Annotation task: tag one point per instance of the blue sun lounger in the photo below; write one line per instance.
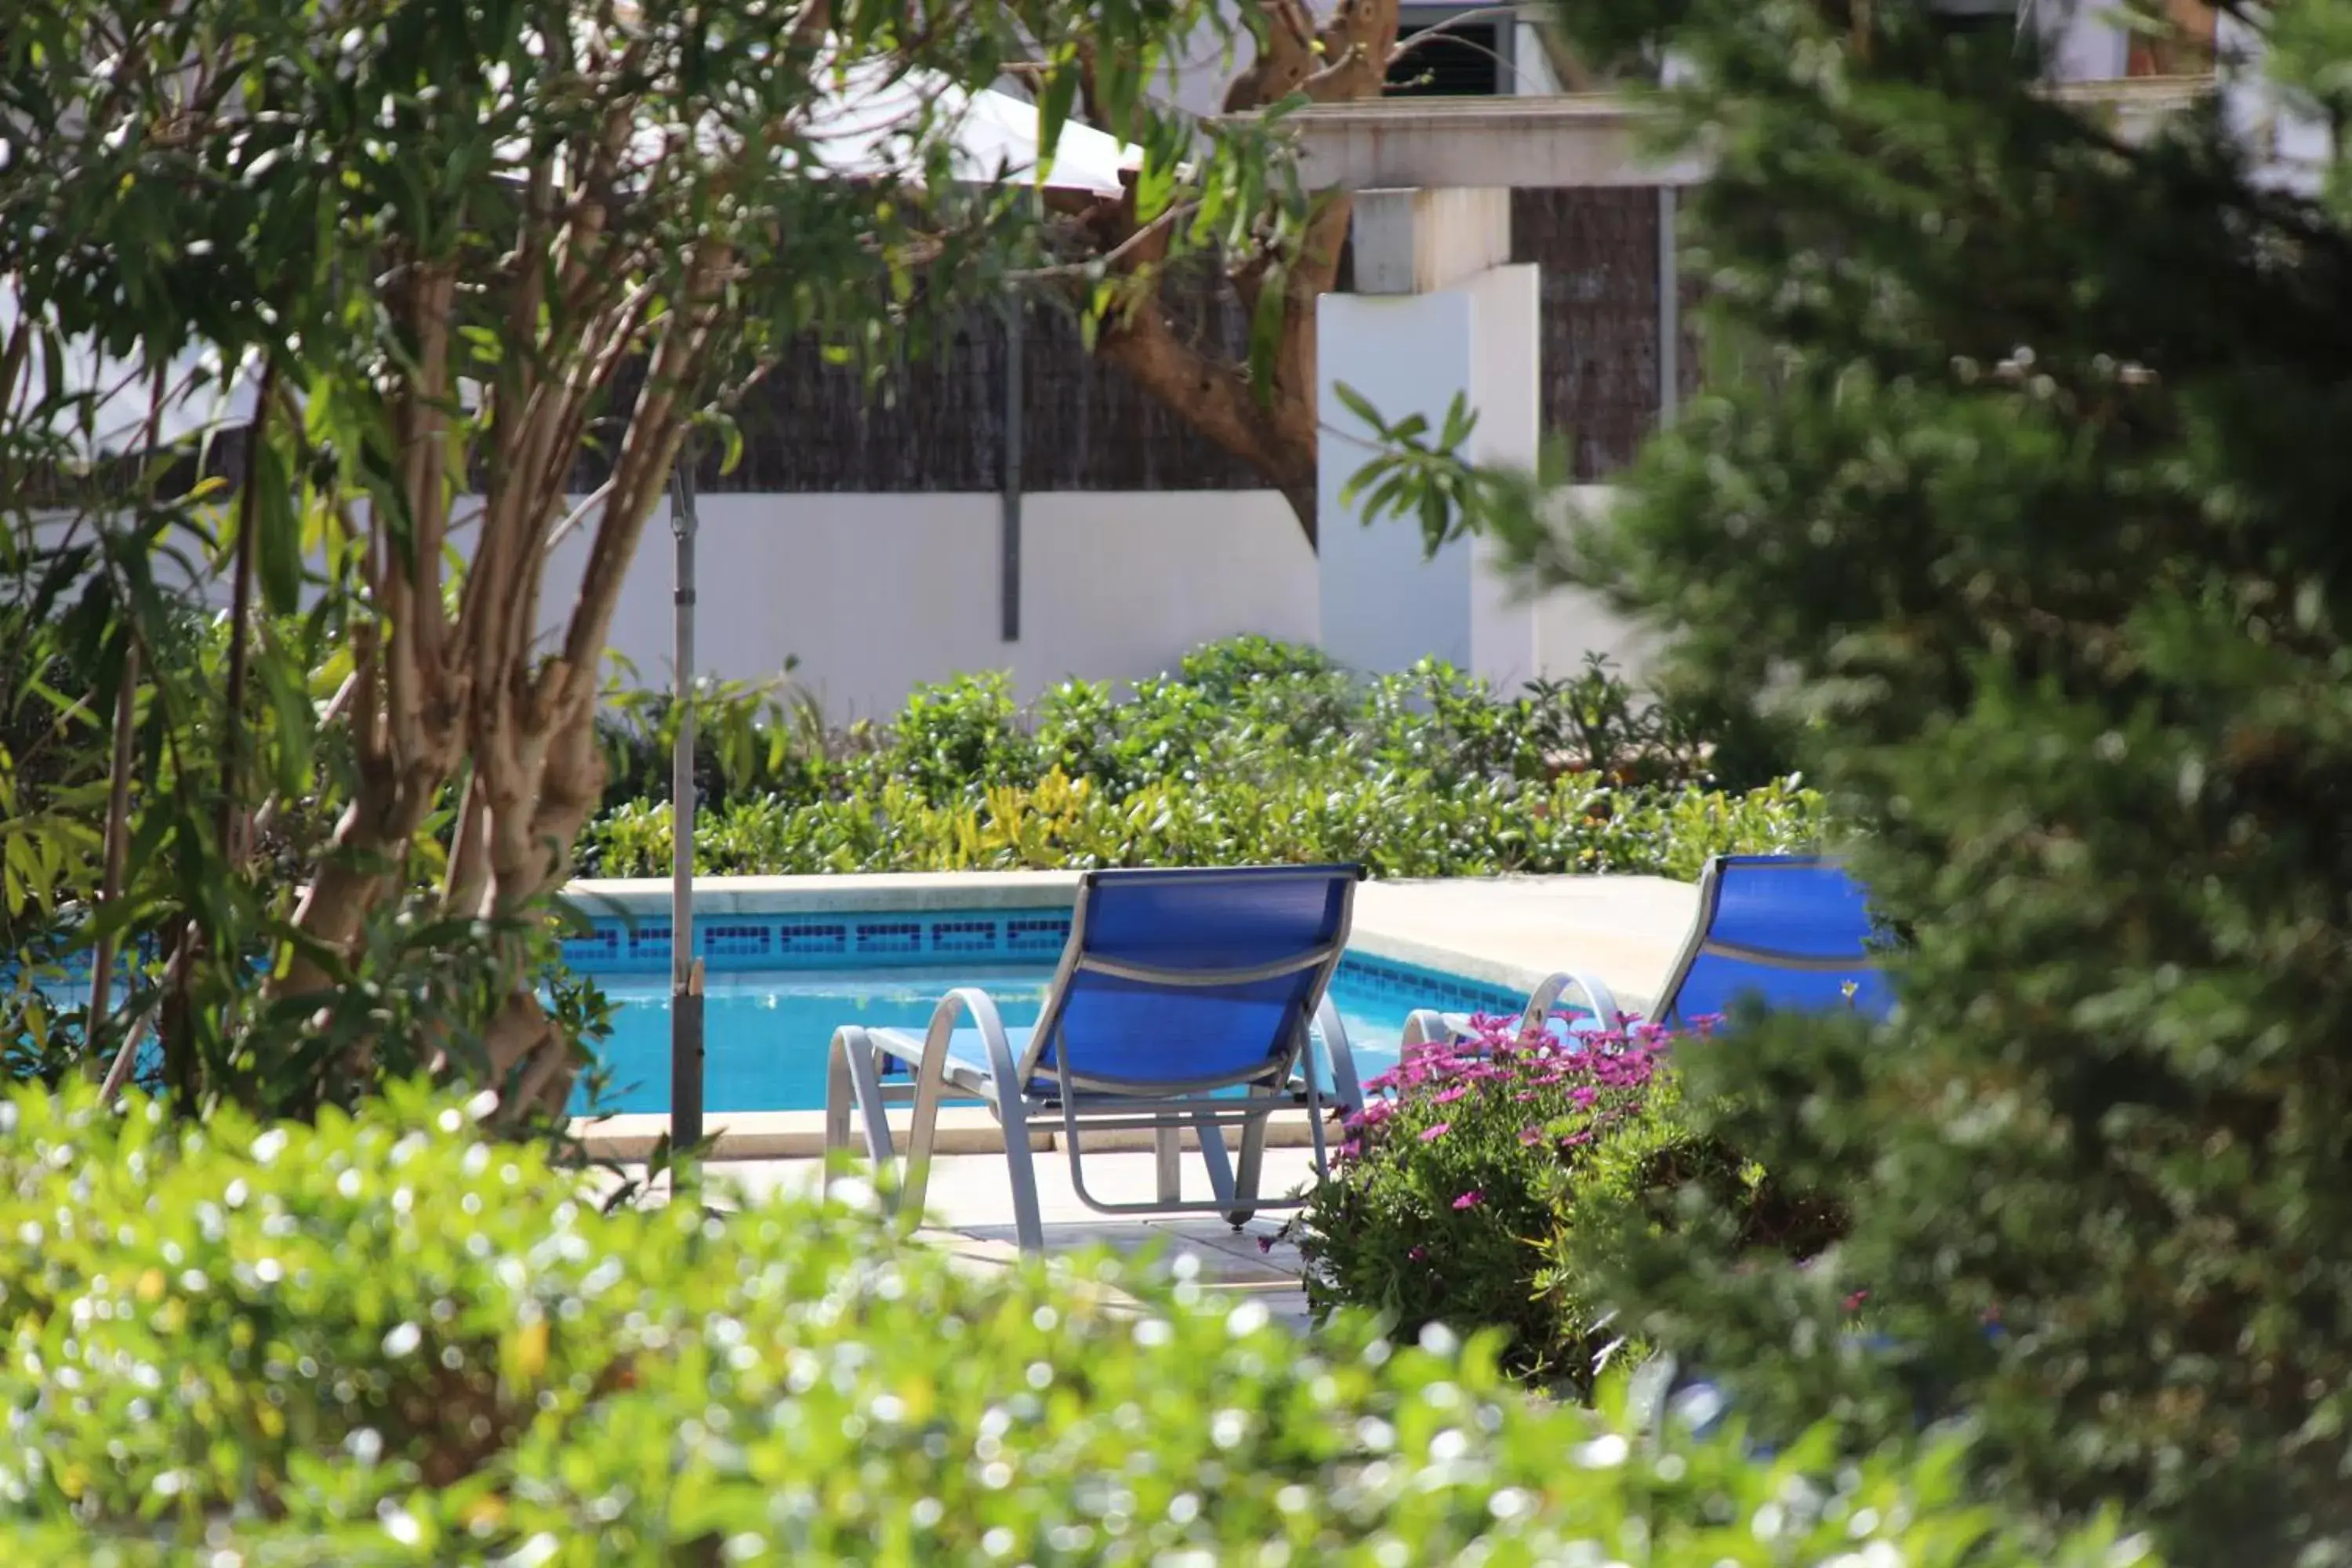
(1184, 999)
(1794, 931)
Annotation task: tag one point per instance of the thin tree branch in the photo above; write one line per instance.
(240, 618)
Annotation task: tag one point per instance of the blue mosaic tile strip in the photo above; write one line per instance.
(648, 945)
(891, 938)
(828, 939)
(601, 946)
(1037, 937)
(960, 938)
(751, 942)
(964, 936)
(738, 939)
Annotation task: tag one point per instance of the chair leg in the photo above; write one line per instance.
(1252, 1163)
(839, 1090)
(1167, 1147)
(923, 1126)
(1011, 1104)
(853, 1058)
(1214, 1156)
(1022, 1166)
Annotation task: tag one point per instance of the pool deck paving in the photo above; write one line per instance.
(1510, 932)
(970, 1216)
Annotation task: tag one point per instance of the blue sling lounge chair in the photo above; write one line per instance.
(1184, 998)
(1794, 931)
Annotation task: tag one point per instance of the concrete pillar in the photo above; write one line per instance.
(1384, 606)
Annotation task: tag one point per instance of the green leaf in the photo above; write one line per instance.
(288, 687)
(1053, 106)
(277, 532)
(1356, 404)
(1266, 333)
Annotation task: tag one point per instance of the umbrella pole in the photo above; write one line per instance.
(686, 1054)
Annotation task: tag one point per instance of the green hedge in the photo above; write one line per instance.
(383, 1340)
(1398, 824)
(1250, 750)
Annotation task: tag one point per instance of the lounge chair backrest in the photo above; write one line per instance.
(1792, 930)
(1184, 980)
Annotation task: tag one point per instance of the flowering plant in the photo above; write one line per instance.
(1483, 1182)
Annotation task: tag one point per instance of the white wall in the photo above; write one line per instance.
(1384, 604)
(876, 593)
(1404, 355)
(1570, 621)
(2085, 38)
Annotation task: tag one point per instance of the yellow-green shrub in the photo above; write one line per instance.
(385, 1340)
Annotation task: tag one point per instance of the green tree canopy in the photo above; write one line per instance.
(444, 251)
(2025, 513)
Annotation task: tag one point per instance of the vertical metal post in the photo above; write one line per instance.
(1016, 329)
(685, 970)
(1670, 311)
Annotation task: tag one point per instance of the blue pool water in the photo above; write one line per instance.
(778, 985)
(765, 1035)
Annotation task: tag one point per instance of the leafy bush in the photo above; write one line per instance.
(1226, 670)
(750, 737)
(1399, 825)
(961, 735)
(1480, 1185)
(1253, 751)
(385, 1340)
(1246, 703)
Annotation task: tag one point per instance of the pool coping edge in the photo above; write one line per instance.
(630, 1138)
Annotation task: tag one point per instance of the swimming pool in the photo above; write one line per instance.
(765, 1036)
(778, 985)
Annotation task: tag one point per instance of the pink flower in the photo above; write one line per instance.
(1531, 1136)
(1470, 1200)
(1448, 1096)
(1431, 1133)
(1854, 1302)
(1417, 1254)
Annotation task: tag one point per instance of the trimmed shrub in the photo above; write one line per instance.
(1252, 751)
(1399, 824)
(385, 1340)
(1483, 1183)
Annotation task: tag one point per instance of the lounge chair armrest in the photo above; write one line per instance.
(1598, 998)
(1428, 1026)
(933, 1073)
(981, 1007)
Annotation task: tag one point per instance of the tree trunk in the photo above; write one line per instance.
(1342, 58)
(1218, 400)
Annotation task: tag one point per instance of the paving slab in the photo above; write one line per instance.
(1514, 930)
(971, 1217)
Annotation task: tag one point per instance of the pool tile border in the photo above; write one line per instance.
(744, 943)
